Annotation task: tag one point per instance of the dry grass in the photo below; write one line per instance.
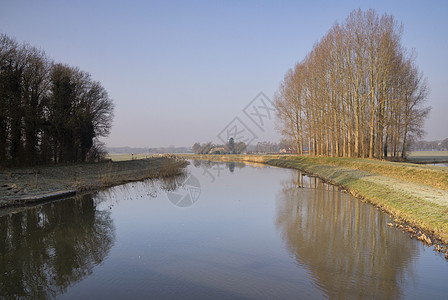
(22, 183)
(128, 156)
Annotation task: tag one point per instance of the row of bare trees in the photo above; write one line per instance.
(358, 93)
(49, 112)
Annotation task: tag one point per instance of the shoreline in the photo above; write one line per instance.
(22, 186)
(415, 196)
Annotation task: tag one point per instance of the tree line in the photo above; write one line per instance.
(440, 145)
(231, 147)
(358, 93)
(49, 112)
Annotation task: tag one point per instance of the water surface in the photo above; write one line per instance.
(223, 231)
(440, 164)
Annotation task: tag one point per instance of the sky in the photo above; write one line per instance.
(181, 72)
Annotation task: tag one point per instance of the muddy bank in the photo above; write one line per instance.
(43, 183)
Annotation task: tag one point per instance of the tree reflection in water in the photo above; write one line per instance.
(47, 248)
(344, 243)
(209, 164)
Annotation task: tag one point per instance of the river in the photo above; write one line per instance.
(222, 231)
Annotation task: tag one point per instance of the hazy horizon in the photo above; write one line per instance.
(180, 72)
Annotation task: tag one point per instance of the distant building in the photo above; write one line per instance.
(218, 150)
(288, 150)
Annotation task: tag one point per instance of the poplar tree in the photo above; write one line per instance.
(358, 93)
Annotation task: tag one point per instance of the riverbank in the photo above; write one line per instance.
(20, 186)
(415, 195)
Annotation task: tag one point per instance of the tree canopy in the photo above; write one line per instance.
(49, 112)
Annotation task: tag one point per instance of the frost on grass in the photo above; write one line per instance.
(420, 191)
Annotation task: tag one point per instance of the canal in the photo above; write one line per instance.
(221, 231)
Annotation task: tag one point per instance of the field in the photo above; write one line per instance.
(127, 156)
(428, 156)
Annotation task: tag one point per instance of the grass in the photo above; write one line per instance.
(413, 194)
(127, 156)
(32, 183)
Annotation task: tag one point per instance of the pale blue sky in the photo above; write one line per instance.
(180, 71)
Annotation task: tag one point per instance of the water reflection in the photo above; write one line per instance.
(344, 244)
(46, 249)
(226, 247)
(213, 169)
(210, 164)
(148, 189)
(439, 164)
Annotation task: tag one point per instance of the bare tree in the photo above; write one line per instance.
(357, 93)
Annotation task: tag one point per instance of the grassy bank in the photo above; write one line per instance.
(27, 185)
(416, 195)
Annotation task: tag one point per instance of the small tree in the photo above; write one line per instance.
(231, 145)
(240, 147)
(97, 152)
(196, 148)
(205, 149)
